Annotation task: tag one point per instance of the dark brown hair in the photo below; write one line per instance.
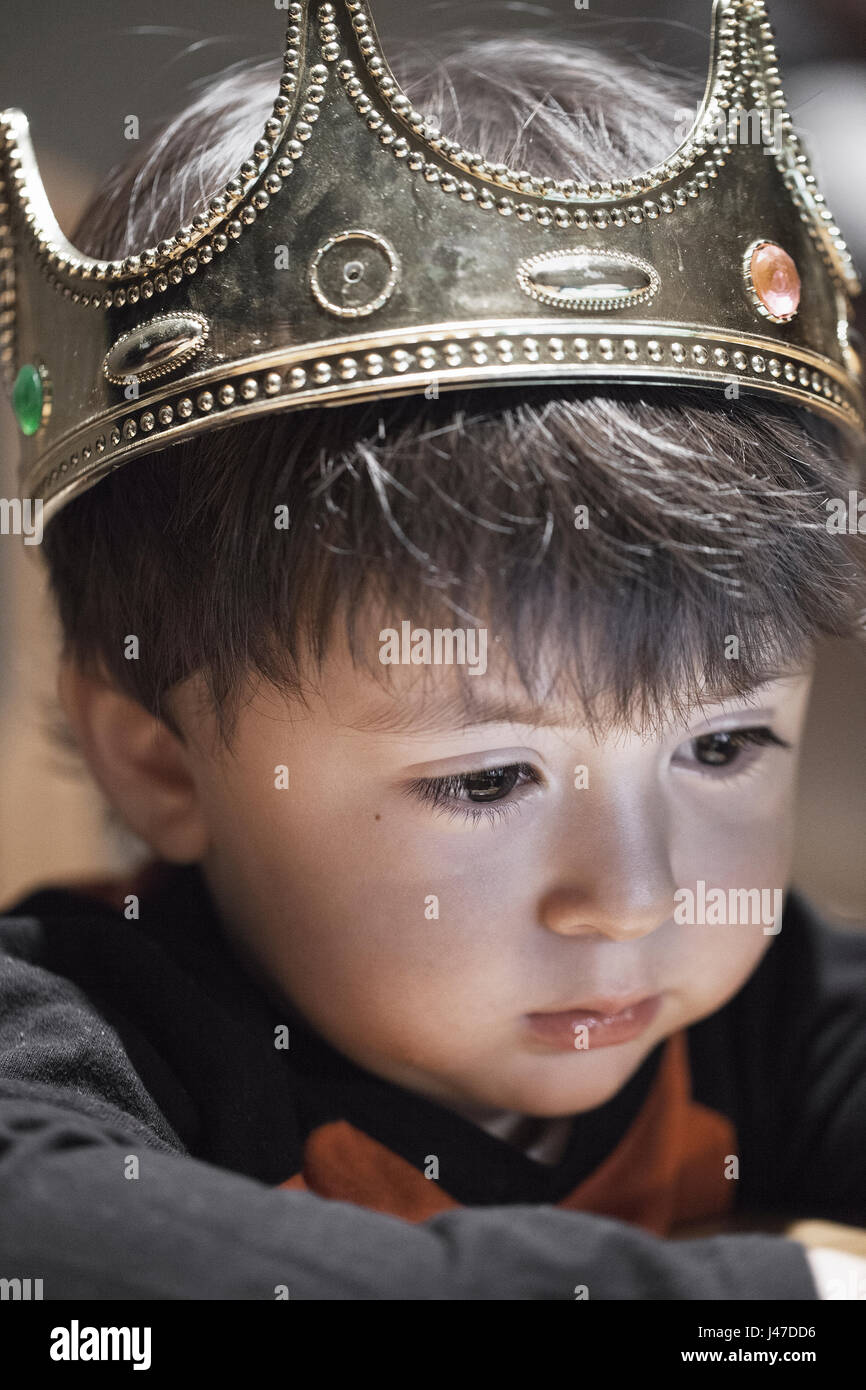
(706, 516)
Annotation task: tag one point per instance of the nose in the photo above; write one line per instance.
(623, 888)
(579, 911)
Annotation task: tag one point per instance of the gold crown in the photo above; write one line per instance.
(406, 264)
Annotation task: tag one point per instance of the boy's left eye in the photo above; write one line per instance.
(728, 748)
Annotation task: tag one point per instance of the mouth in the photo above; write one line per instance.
(596, 1023)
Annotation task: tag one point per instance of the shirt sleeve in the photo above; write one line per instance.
(97, 1214)
(99, 1199)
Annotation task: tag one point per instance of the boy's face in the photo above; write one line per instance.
(419, 917)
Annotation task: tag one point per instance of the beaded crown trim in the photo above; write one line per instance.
(449, 271)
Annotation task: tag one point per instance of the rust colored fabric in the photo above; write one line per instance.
(668, 1170)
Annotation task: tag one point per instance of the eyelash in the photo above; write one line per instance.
(442, 794)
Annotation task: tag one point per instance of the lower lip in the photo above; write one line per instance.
(578, 1030)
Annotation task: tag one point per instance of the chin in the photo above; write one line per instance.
(559, 1088)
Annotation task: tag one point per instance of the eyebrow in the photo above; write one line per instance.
(446, 713)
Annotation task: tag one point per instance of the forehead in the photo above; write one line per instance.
(370, 697)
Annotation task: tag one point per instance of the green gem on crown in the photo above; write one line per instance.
(28, 398)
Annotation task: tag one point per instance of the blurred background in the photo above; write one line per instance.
(78, 71)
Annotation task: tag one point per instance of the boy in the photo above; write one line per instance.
(430, 938)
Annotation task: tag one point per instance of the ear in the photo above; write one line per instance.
(141, 766)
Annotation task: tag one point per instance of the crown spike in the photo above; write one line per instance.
(75, 264)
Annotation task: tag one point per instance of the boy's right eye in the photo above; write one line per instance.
(470, 794)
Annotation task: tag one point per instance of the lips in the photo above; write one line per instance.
(607, 1005)
(596, 1023)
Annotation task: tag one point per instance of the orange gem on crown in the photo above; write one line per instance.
(775, 281)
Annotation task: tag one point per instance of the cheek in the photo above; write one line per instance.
(364, 924)
(715, 961)
(747, 846)
(752, 850)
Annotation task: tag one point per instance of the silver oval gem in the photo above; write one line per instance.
(155, 348)
(588, 278)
